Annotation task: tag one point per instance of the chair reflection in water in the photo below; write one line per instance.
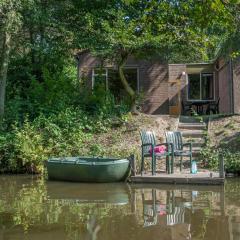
(186, 214)
(168, 213)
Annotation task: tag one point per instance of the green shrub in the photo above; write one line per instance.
(210, 158)
(52, 113)
(67, 133)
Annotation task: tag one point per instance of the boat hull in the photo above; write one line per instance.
(82, 169)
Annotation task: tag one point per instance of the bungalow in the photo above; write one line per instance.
(167, 87)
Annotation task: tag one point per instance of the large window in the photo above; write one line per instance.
(201, 86)
(207, 86)
(111, 80)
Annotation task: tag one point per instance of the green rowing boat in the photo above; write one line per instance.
(83, 169)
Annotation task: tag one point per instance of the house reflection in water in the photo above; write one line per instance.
(184, 214)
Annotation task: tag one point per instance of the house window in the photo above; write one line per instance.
(194, 87)
(207, 85)
(99, 77)
(201, 86)
(110, 78)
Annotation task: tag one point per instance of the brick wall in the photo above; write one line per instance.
(236, 85)
(153, 80)
(156, 81)
(176, 73)
(224, 78)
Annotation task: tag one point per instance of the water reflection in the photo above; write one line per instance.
(112, 193)
(183, 213)
(32, 208)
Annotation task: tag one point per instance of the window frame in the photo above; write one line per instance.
(94, 75)
(106, 76)
(214, 85)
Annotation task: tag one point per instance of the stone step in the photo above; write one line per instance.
(195, 144)
(194, 139)
(198, 140)
(192, 126)
(188, 119)
(195, 154)
(196, 149)
(198, 144)
(193, 133)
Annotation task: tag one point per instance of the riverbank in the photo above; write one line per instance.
(223, 138)
(73, 133)
(26, 147)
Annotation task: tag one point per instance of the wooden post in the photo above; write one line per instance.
(222, 201)
(221, 167)
(132, 165)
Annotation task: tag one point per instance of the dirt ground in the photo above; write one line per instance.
(125, 140)
(225, 132)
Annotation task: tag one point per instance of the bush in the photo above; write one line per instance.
(210, 158)
(67, 133)
(53, 114)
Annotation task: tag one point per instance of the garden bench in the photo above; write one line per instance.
(148, 144)
(178, 148)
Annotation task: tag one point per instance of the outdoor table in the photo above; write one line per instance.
(200, 104)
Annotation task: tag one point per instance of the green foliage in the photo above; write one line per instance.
(210, 156)
(144, 28)
(176, 31)
(48, 111)
(66, 133)
(53, 94)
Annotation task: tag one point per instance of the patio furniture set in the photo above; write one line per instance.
(173, 147)
(201, 106)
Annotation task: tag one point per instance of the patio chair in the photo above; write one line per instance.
(178, 148)
(150, 209)
(186, 108)
(148, 144)
(177, 217)
(213, 107)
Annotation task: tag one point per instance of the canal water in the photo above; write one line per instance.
(32, 208)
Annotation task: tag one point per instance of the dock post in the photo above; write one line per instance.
(222, 201)
(132, 165)
(221, 167)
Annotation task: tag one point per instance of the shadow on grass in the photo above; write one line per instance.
(231, 143)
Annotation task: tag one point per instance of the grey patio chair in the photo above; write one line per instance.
(178, 148)
(213, 107)
(149, 142)
(186, 108)
(150, 209)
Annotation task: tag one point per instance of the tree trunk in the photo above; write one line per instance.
(126, 85)
(3, 69)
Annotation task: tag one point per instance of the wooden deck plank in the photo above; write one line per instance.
(207, 178)
(182, 187)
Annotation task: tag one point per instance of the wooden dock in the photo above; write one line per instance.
(206, 178)
(203, 177)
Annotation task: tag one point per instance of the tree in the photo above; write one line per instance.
(228, 44)
(171, 29)
(32, 40)
(10, 22)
